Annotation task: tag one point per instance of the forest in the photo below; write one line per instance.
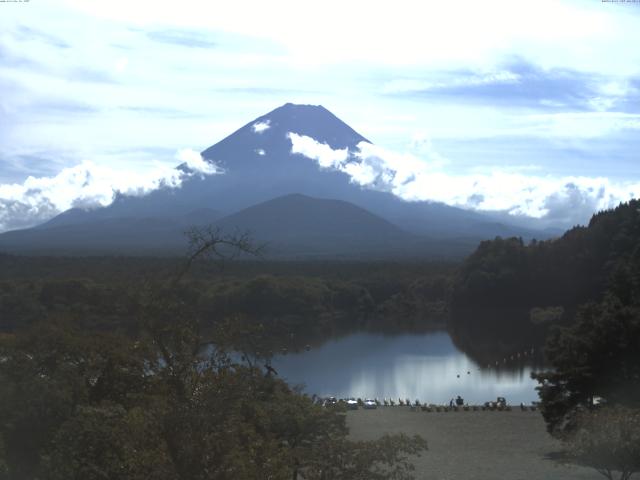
(297, 302)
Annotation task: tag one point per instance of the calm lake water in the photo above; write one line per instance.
(424, 366)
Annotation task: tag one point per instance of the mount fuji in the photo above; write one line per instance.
(298, 205)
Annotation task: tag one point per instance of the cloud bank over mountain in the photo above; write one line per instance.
(560, 200)
(418, 174)
(88, 185)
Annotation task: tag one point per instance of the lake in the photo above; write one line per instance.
(425, 366)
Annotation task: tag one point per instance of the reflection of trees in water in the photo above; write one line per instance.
(293, 337)
(500, 338)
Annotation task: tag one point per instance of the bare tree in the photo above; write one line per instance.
(212, 242)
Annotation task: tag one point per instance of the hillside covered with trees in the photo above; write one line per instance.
(509, 293)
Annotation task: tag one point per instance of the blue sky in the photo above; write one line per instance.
(528, 108)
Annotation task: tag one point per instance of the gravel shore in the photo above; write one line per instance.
(479, 445)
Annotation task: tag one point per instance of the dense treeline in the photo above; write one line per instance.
(511, 293)
(135, 268)
(597, 359)
(297, 303)
(598, 354)
(590, 398)
(579, 294)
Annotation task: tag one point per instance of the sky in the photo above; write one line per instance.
(528, 108)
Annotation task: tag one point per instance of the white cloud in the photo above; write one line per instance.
(195, 162)
(86, 185)
(385, 168)
(413, 85)
(326, 156)
(573, 125)
(15, 214)
(406, 31)
(121, 64)
(526, 195)
(566, 200)
(261, 152)
(260, 127)
(610, 93)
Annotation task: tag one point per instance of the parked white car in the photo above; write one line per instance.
(369, 404)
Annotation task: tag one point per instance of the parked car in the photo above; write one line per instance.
(370, 404)
(352, 404)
